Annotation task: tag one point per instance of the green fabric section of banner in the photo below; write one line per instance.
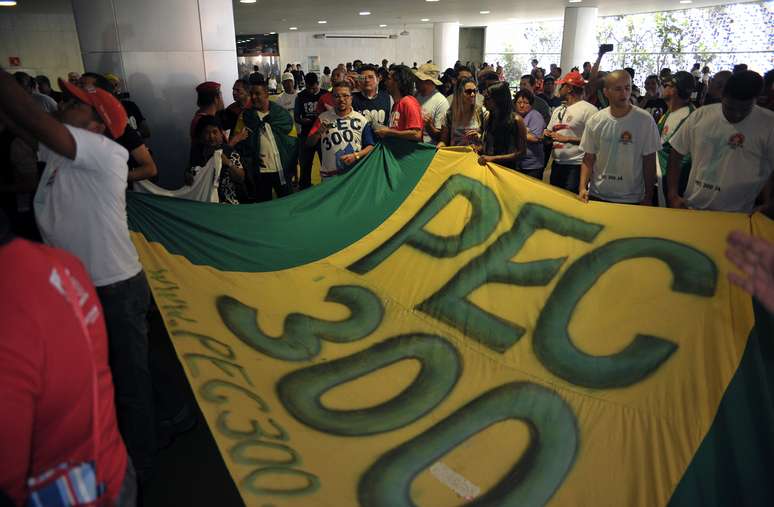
(286, 232)
(734, 462)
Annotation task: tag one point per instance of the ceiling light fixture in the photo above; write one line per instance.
(247, 1)
(272, 33)
(382, 26)
(321, 22)
(364, 13)
(432, 0)
(293, 28)
(424, 20)
(7, 3)
(686, 1)
(575, 1)
(484, 12)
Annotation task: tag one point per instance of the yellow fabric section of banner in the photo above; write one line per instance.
(582, 422)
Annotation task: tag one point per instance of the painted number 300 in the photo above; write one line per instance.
(553, 429)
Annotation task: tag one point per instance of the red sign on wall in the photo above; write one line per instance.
(14, 61)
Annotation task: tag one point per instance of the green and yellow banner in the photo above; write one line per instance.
(428, 331)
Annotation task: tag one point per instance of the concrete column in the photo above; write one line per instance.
(579, 40)
(446, 44)
(161, 50)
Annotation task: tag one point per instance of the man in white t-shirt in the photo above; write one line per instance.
(566, 130)
(434, 104)
(732, 150)
(287, 99)
(620, 144)
(80, 206)
(345, 135)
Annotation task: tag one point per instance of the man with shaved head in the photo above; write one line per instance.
(715, 87)
(620, 144)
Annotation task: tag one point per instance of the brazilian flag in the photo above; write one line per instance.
(428, 331)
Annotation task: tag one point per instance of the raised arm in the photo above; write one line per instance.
(24, 113)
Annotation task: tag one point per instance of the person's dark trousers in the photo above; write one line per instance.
(566, 176)
(598, 199)
(271, 181)
(125, 306)
(534, 173)
(305, 160)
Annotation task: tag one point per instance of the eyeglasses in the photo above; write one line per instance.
(338, 96)
(470, 92)
(668, 85)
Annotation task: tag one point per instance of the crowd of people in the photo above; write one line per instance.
(68, 157)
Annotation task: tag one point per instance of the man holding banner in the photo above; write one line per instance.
(620, 144)
(732, 147)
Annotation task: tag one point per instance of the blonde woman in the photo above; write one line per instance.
(464, 119)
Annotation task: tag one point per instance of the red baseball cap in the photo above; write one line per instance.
(108, 107)
(208, 86)
(573, 79)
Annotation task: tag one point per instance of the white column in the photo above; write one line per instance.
(162, 50)
(446, 44)
(579, 40)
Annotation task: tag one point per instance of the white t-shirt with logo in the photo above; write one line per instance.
(731, 162)
(347, 134)
(619, 145)
(288, 102)
(80, 206)
(434, 106)
(570, 121)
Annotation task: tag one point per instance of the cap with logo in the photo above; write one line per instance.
(109, 109)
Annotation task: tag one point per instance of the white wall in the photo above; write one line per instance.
(162, 50)
(298, 46)
(43, 35)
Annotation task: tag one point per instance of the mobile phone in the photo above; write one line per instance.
(605, 48)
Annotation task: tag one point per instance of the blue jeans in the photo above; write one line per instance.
(566, 176)
(125, 305)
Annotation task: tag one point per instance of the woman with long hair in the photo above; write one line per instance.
(504, 136)
(464, 118)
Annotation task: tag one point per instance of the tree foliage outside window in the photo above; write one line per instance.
(718, 37)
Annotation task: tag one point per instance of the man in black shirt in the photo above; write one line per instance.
(44, 87)
(136, 119)
(140, 163)
(229, 116)
(372, 102)
(651, 101)
(715, 87)
(549, 87)
(298, 74)
(256, 76)
(306, 113)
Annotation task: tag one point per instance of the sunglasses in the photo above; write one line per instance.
(470, 92)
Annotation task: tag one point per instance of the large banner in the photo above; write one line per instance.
(428, 331)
